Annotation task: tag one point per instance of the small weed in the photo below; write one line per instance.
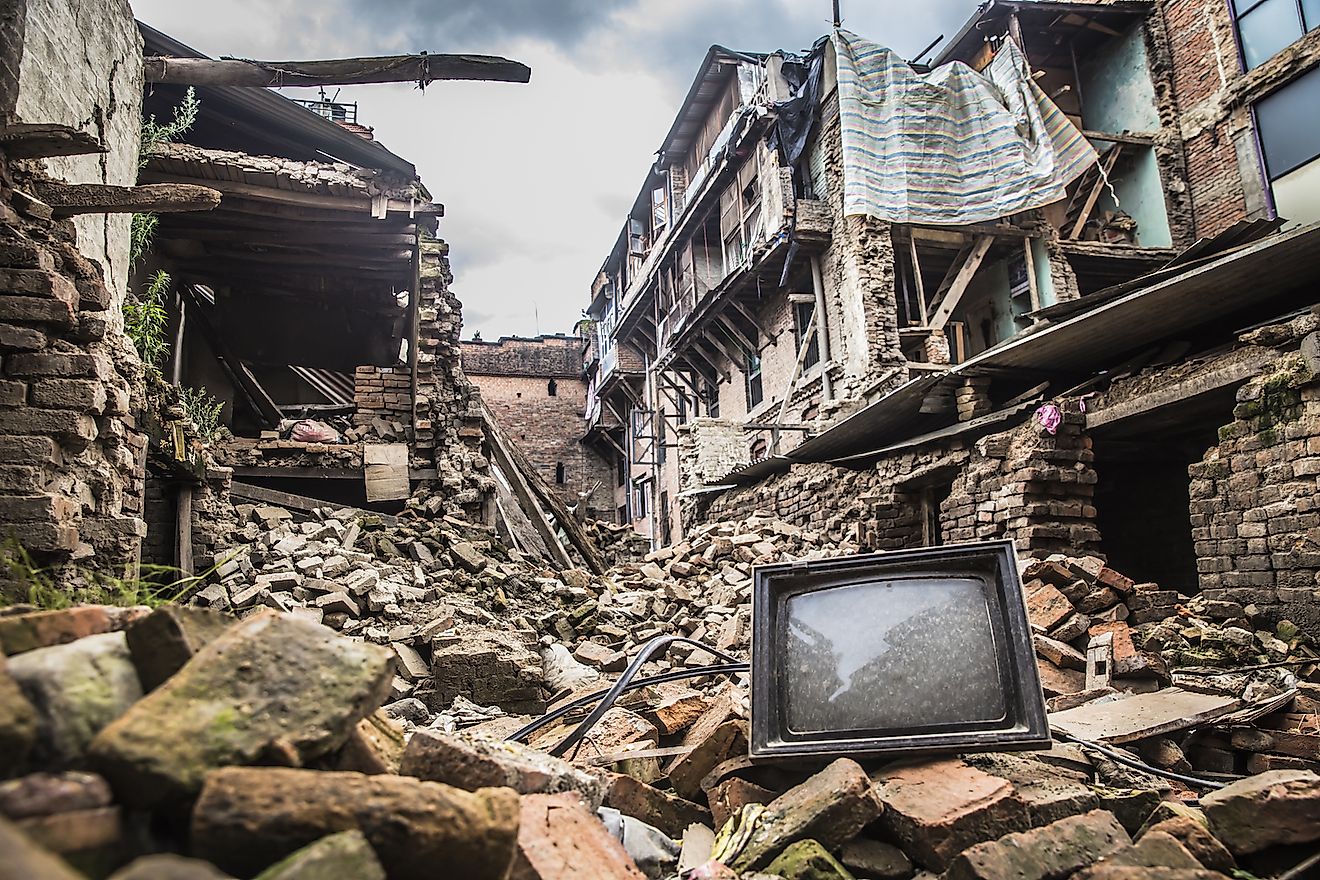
(145, 320)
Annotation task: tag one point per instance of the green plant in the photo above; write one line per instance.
(145, 319)
(153, 135)
(203, 411)
(56, 587)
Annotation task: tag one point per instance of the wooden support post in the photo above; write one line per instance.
(1033, 287)
(183, 533)
(807, 339)
(960, 282)
(423, 69)
(921, 285)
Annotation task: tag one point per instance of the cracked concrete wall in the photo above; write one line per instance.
(81, 66)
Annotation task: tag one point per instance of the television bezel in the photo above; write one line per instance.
(1025, 725)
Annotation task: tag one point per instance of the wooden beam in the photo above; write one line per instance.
(422, 68)
(42, 140)
(304, 503)
(183, 531)
(503, 451)
(69, 199)
(751, 319)
(960, 281)
(293, 237)
(357, 202)
(921, 285)
(732, 330)
(237, 371)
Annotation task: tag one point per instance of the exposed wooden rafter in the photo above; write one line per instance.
(422, 68)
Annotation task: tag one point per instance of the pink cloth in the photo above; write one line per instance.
(1049, 417)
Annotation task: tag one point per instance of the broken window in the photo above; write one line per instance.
(740, 216)
(1268, 26)
(659, 211)
(802, 312)
(752, 370)
(1290, 139)
(552, 388)
(560, 473)
(711, 394)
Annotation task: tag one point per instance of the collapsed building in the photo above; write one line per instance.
(1141, 345)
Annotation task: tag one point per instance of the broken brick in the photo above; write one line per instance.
(560, 839)
(1053, 851)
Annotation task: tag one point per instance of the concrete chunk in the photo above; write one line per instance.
(1278, 807)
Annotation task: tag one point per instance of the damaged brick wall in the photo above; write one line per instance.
(1025, 484)
(383, 397)
(1254, 514)
(446, 405)
(71, 456)
(514, 376)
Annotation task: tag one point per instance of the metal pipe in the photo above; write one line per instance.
(822, 334)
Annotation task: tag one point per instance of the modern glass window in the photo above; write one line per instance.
(1268, 26)
(1289, 129)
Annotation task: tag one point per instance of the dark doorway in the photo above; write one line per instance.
(1141, 496)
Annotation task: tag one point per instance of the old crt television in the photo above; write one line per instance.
(908, 651)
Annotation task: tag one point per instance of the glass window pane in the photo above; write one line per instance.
(1297, 195)
(1290, 125)
(1269, 27)
(900, 653)
(1311, 10)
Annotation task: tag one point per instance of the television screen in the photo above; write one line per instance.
(910, 651)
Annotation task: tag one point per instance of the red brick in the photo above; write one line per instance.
(560, 839)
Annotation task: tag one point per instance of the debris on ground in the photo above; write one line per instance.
(343, 690)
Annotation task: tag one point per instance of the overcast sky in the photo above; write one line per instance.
(536, 179)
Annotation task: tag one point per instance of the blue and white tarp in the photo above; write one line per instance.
(952, 146)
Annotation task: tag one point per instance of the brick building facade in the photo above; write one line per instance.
(537, 393)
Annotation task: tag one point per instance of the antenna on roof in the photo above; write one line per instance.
(838, 17)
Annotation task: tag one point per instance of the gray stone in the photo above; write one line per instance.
(1278, 807)
(343, 856)
(24, 860)
(77, 689)
(164, 640)
(1049, 853)
(18, 723)
(271, 689)
(169, 867)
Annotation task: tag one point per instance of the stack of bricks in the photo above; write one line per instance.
(1030, 485)
(383, 396)
(446, 418)
(973, 398)
(71, 458)
(1253, 505)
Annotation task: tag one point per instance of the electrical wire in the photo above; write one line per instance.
(662, 678)
(1128, 761)
(608, 697)
(650, 648)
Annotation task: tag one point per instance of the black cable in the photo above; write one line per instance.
(637, 684)
(650, 648)
(1128, 761)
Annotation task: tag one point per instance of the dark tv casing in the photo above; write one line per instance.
(1024, 726)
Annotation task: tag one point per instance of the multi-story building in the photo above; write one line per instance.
(746, 314)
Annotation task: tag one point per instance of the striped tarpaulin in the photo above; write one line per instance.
(952, 146)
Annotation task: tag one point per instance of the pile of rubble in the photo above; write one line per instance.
(345, 703)
(185, 743)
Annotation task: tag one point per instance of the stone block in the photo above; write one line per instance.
(33, 310)
(248, 818)
(1047, 607)
(1198, 841)
(936, 809)
(18, 726)
(807, 860)
(1278, 807)
(560, 839)
(375, 746)
(474, 761)
(25, 860)
(831, 807)
(51, 363)
(80, 395)
(77, 689)
(163, 866)
(344, 856)
(74, 430)
(272, 688)
(728, 740)
(490, 669)
(1047, 853)
(44, 794)
(167, 638)
(660, 809)
(727, 798)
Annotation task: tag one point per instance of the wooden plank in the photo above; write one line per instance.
(43, 140)
(522, 491)
(960, 282)
(358, 202)
(422, 68)
(71, 199)
(921, 285)
(1094, 195)
(303, 503)
(576, 536)
(385, 471)
(183, 532)
(1143, 715)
